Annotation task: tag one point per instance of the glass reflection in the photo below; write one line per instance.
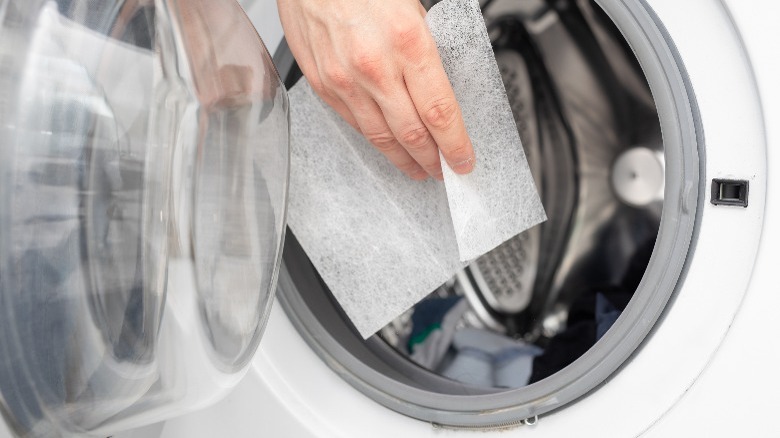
(144, 171)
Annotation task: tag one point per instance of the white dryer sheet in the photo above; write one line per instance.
(382, 241)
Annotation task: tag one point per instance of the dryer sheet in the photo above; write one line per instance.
(382, 241)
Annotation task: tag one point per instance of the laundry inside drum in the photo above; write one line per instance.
(528, 309)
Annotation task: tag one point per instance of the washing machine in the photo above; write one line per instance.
(644, 306)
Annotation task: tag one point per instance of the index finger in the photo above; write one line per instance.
(435, 102)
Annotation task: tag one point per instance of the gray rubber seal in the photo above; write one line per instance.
(376, 370)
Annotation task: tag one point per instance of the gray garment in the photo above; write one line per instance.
(487, 359)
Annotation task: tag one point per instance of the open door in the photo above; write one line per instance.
(143, 189)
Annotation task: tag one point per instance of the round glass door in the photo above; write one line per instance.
(143, 169)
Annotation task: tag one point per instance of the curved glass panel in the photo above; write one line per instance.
(144, 162)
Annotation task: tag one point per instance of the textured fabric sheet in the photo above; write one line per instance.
(381, 241)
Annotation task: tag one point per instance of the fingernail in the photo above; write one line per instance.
(465, 166)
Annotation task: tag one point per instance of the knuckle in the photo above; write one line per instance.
(384, 141)
(416, 138)
(408, 39)
(337, 78)
(442, 113)
(368, 63)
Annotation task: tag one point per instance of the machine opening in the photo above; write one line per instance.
(513, 327)
(590, 132)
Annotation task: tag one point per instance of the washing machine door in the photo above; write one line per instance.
(143, 186)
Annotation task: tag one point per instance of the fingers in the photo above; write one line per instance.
(379, 69)
(339, 106)
(435, 102)
(315, 80)
(372, 124)
(409, 130)
(352, 101)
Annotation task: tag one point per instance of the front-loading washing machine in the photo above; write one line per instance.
(647, 125)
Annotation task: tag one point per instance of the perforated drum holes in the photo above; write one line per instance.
(729, 192)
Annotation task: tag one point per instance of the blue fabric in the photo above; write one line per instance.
(606, 315)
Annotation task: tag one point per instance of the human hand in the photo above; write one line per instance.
(376, 64)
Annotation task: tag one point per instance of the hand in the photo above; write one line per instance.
(376, 64)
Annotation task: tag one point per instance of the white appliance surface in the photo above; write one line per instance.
(709, 369)
(736, 394)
